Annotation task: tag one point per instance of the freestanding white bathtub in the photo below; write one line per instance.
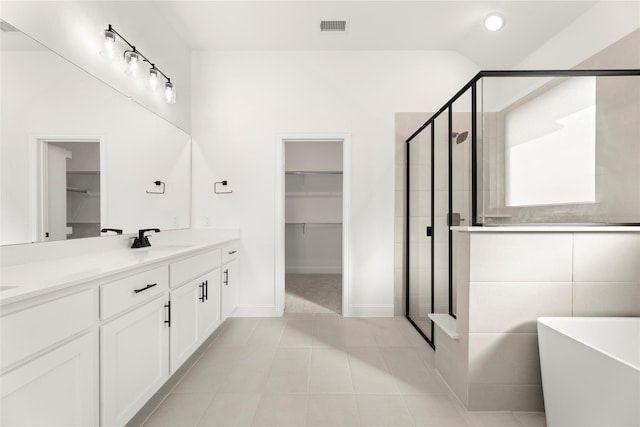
(590, 370)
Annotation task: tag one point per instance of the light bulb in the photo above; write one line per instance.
(153, 78)
(109, 44)
(169, 93)
(133, 60)
(494, 22)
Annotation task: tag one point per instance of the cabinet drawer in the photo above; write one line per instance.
(229, 253)
(193, 267)
(122, 294)
(28, 331)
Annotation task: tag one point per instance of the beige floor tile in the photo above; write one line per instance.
(434, 410)
(320, 370)
(290, 371)
(412, 375)
(330, 371)
(328, 332)
(383, 410)
(332, 410)
(231, 409)
(180, 410)
(369, 372)
(268, 332)
(297, 333)
(531, 419)
(218, 357)
(281, 410)
(397, 332)
(358, 332)
(491, 419)
(236, 332)
(201, 380)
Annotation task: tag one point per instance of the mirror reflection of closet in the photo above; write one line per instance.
(70, 195)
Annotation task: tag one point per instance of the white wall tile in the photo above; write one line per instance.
(504, 359)
(606, 299)
(606, 257)
(514, 307)
(521, 257)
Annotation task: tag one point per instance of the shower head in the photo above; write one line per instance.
(460, 137)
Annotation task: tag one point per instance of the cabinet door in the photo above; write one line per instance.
(209, 310)
(229, 287)
(134, 361)
(59, 388)
(185, 302)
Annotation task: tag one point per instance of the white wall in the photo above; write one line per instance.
(74, 29)
(244, 101)
(605, 23)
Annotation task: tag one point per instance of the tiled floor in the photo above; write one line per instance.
(320, 370)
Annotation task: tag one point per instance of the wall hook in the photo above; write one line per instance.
(223, 183)
(157, 183)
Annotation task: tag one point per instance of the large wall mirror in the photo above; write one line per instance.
(77, 156)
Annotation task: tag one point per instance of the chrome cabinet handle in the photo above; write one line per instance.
(202, 294)
(135, 291)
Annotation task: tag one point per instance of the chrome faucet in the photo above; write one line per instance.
(142, 241)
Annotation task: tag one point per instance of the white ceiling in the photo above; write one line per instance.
(374, 25)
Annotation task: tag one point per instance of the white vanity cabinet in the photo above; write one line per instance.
(195, 315)
(50, 362)
(58, 388)
(195, 303)
(93, 351)
(134, 347)
(134, 361)
(229, 283)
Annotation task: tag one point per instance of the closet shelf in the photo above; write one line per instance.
(313, 172)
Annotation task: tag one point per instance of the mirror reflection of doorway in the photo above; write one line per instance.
(313, 226)
(70, 190)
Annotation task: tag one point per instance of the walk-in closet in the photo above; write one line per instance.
(313, 226)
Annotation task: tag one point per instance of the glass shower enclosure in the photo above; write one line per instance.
(517, 148)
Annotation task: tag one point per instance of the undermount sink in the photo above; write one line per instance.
(6, 288)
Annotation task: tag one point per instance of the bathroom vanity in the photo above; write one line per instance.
(88, 338)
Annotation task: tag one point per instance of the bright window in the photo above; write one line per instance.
(550, 146)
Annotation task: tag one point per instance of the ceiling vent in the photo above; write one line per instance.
(5, 27)
(334, 25)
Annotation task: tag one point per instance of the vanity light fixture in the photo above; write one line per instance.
(134, 60)
(494, 22)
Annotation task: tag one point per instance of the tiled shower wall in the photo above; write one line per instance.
(514, 278)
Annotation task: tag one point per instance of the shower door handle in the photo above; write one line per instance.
(429, 231)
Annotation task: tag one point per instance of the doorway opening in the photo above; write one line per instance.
(71, 196)
(313, 231)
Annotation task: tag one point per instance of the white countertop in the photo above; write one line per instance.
(548, 228)
(42, 276)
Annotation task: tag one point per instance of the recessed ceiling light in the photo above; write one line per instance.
(494, 22)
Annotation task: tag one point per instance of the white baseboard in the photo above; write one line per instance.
(255, 310)
(313, 270)
(371, 310)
